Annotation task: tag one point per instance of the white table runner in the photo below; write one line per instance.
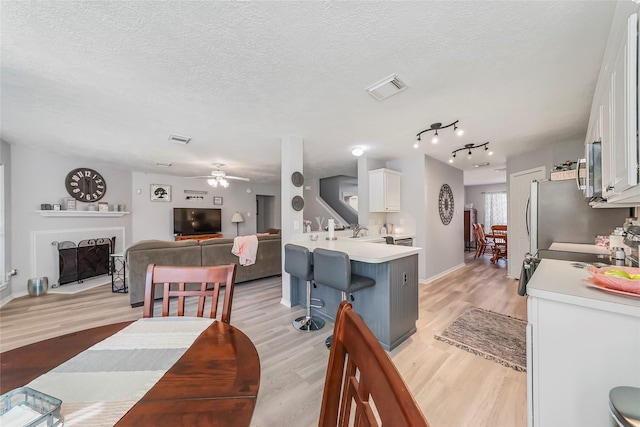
(98, 386)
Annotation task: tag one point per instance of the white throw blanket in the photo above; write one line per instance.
(245, 248)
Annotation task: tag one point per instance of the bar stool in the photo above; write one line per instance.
(298, 263)
(624, 405)
(333, 269)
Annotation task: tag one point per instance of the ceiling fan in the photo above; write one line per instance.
(219, 177)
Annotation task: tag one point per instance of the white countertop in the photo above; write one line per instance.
(558, 281)
(359, 249)
(579, 247)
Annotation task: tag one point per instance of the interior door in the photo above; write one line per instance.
(518, 242)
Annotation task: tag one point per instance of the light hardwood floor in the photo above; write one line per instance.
(454, 388)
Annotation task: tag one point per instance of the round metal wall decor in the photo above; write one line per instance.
(445, 204)
(297, 179)
(298, 203)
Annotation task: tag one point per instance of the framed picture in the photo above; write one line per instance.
(160, 193)
(57, 207)
(217, 200)
(103, 207)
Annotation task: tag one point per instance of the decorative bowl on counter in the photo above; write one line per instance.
(624, 279)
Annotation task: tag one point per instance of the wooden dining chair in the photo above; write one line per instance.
(481, 240)
(182, 282)
(499, 246)
(363, 386)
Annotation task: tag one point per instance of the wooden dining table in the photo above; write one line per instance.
(214, 383)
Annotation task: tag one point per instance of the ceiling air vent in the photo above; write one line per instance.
(386, 87)
(179, 139)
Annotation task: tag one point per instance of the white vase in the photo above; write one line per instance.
(308, 229)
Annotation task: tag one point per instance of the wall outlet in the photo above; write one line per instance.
(404, 278)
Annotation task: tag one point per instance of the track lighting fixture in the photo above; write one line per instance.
(435, 127)
(469, 148)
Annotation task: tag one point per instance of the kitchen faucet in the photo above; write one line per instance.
(357, 229)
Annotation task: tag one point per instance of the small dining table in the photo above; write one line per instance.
(214, 383)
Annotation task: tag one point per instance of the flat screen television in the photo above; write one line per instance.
(188, 221)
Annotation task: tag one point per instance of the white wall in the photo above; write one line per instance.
(38, 176)
(444, 247)
(154, 220)
(5, 160)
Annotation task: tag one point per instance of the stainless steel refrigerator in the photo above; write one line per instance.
(559, 212)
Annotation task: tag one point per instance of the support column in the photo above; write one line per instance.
(292, 220)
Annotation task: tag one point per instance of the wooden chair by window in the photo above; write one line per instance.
(499, 247)
(370, 379)
(176, 279)
(481, 240)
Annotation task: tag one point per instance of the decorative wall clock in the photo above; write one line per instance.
(445, 204)
(85, 185)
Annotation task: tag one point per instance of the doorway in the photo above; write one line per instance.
(265, 213)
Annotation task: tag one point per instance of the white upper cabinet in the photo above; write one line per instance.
(384, 190)
(615, 116)
(622, 94)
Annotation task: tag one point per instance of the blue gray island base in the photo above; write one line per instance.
(389, 308)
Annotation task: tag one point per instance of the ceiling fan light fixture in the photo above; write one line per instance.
(212, 182)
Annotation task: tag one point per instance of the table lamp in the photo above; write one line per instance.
(237, 218)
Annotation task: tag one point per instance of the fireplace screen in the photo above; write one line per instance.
(89, 258)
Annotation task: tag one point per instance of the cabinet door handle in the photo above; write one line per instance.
(610, 188)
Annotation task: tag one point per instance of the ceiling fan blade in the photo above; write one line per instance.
(202, 176)
(239, 178)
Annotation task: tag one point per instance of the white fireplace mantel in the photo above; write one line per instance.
(82, 213)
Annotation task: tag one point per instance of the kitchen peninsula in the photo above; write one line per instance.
(390, 307)
(581, 342)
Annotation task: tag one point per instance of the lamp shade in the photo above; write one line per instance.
(237, 217)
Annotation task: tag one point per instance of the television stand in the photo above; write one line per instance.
(198, 237)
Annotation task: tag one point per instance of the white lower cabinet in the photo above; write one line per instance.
(575, 355)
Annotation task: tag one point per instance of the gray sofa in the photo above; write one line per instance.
(193, 253)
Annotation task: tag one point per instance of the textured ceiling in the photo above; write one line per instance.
(112, 80)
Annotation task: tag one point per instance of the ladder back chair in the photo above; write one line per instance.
(499, 247)
(481, 240)
(182, 282)
(363, 386)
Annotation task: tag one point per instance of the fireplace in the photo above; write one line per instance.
(88, 258)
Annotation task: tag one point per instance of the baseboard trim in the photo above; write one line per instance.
(439, 275)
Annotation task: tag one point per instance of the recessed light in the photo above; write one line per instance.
(357, 151)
